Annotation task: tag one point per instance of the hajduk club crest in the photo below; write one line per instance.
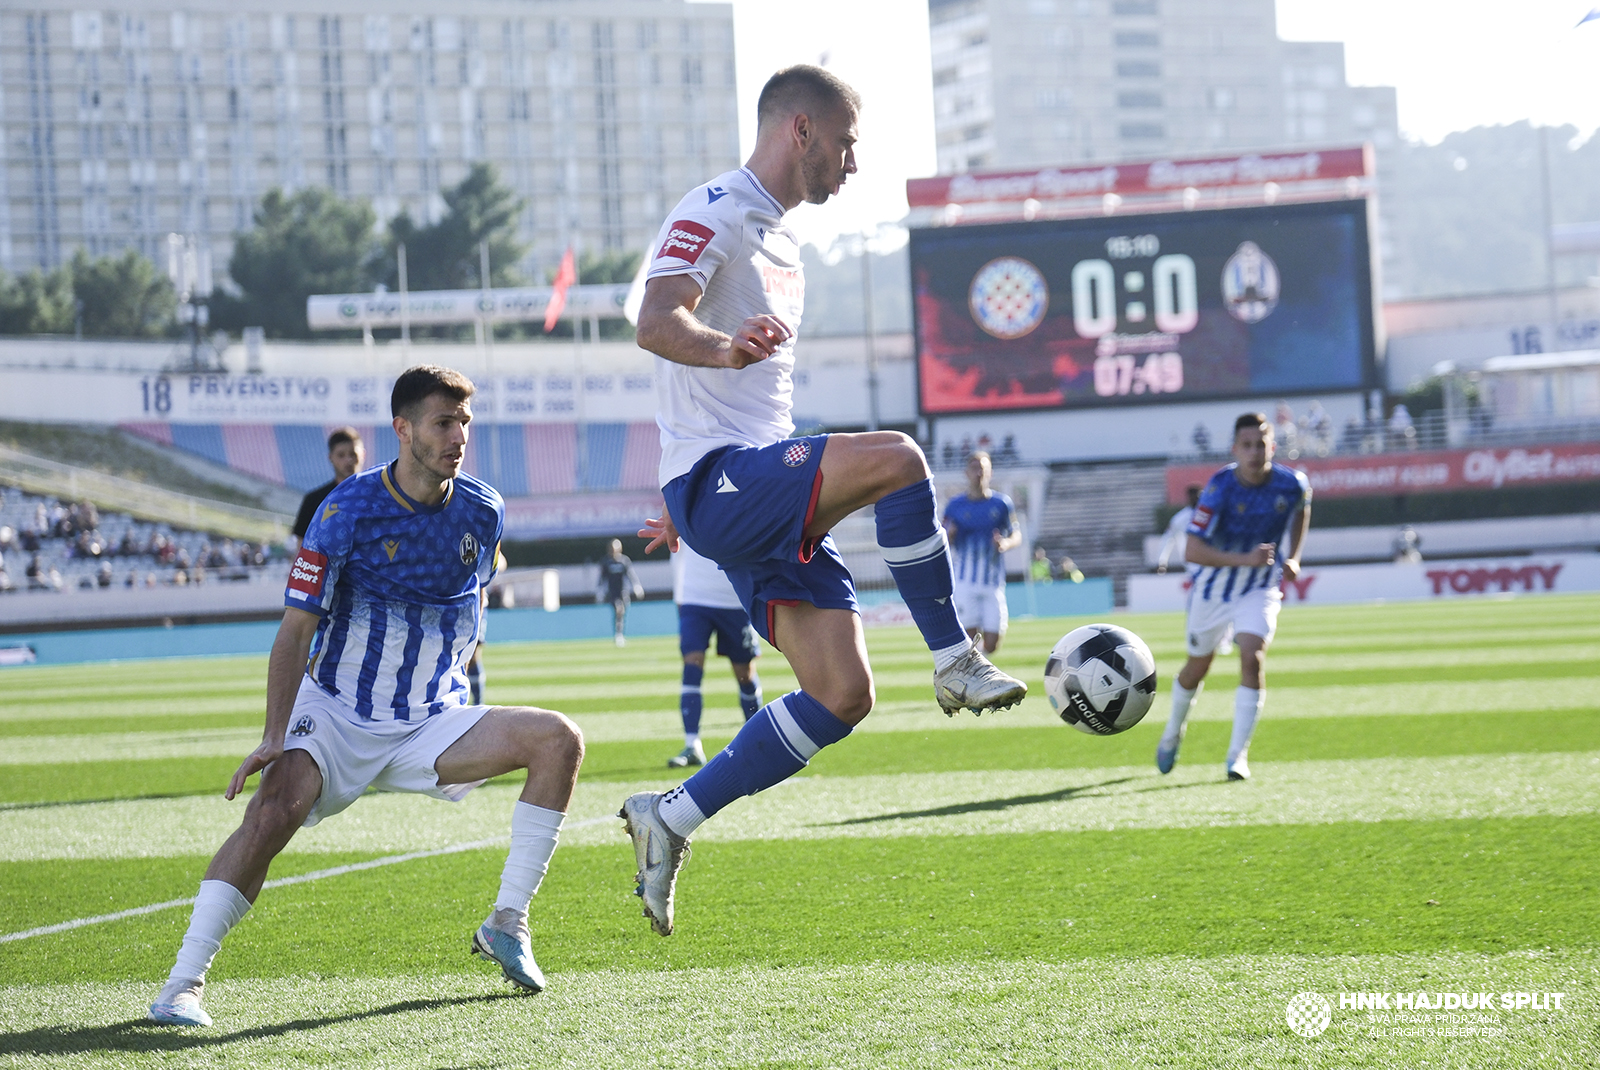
(1008, 297)
(796, 454)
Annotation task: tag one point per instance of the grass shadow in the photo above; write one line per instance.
(140, 1034)
(955, 809)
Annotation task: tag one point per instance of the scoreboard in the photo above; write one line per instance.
(1136, 309)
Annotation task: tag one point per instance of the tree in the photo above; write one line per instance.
(37, 303)
(122, 297)
(444, 255)
(311, 242)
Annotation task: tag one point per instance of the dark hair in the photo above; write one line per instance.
(342, 435)
(1251, 419)
(803, 89)
(416, 385)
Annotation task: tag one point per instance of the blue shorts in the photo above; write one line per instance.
(746, 508)
(736, 639)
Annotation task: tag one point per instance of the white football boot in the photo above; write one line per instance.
(973, 681)
(660, 853)
(179, 1004)
(693, 754)
(1239, 767)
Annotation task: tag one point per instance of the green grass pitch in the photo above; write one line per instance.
(1001, 891)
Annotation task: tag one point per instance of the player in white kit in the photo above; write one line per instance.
(708, 605)
(721, 309)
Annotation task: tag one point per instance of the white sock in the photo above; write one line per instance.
(534, 831)
(680, 812)
(217, 908)
(691, 739)
(1247, 702)
(945, 657)
(1182, 699)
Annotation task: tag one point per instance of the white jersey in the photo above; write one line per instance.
(697, 581)
(728, 235)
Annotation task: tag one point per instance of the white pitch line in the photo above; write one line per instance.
(280, 882)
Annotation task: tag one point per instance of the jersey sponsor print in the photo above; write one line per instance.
(1235, 518)
(397, 585)
(976, 522)
(729, 237)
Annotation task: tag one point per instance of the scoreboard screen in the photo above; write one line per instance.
(1143, 308)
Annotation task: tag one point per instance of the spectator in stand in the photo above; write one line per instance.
(8, 539)
(347, 455)
(949, 454)
(1318, 429)
(1287, 430)
(1008, 451)
(1201, 438)
(30, 540)
(1070, 571)
(1407, 546)
(103, 577)
(6, 586)
(127, 547)
(1402, 432)
(35, 573)
(1350, 440)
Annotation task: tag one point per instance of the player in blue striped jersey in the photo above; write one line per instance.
(1235, 571)
(366, 686)
(982, 525)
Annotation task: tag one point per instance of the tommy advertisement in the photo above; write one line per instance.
(1137, 309)
(1426, 581)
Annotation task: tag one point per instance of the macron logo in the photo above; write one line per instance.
(725, 485)
(686, 240)
(715, 194)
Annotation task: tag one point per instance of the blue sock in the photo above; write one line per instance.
(914, 546)
(772, 746)
(750, 697)
(689, 700)
(475, 682)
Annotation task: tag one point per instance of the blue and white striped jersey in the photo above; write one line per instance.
(976, 521)
(1236, 518)
(397, 586)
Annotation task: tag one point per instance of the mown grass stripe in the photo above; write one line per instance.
(912, 804)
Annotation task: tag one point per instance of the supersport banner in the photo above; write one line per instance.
(1382, 474)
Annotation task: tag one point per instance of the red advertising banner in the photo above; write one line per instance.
(1375, 475)
(1132, 179)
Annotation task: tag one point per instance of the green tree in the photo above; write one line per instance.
(444, 255)
(310, 242)
(37, 302)
(122, 296)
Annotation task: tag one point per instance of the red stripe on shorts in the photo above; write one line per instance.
(808, 547)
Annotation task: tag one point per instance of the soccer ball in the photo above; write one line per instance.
(1101, 679)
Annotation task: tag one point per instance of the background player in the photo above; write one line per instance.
(707, 605)
(1235, 575)
(618, 584)
(982, 525)
(387, 585)
(347, 455)
(1176, 536)
(722, 303)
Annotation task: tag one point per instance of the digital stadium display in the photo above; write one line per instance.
(1143, 308)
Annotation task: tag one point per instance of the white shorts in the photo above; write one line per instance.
(980, 606)
(1212, 622)
(354, 755)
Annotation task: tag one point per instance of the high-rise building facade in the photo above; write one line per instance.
(1026, 83)
(122, 124)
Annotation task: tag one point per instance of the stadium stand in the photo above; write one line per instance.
(51, 545)
(518, 459)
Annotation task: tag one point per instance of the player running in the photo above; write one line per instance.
(721, 308)
(983, 526)
(1234, 580)
(365, 686)
(707, 605)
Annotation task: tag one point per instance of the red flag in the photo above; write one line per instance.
(566, 275)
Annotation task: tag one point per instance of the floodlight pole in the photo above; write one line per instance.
(1549, 242)
(405, 302)
(870, 326)
(486, 336)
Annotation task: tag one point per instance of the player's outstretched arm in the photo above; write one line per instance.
(284, 669)
(668, 329)
(1297, 539)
